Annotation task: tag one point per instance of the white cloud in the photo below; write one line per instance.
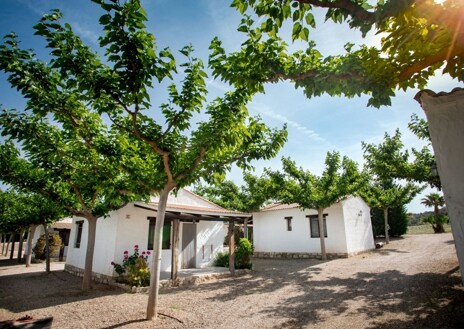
(293, 124)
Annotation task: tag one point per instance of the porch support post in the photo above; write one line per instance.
(175, 250)
(231, 247)
(245, 228)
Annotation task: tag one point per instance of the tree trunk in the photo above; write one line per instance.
(92, 231)
(440, 228)
(320, 213)
(29, 245)
(387, 227)
(445, 116)
(231, 247)
(12, 244)
(47, 249)
(20, 247)
(3, 242)
(152, 305)
(175, 250)
(8, 244)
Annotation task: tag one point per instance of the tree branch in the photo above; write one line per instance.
(355, 10)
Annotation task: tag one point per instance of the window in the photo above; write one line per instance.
(79, 226)
(166, 243)
(289, 223)
(314, 225)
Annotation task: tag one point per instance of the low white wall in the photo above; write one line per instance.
(358, 225)
(270, 231)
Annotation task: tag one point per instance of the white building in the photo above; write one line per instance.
(201, 234)
(281, 230)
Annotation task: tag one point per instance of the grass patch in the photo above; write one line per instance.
(425, 229)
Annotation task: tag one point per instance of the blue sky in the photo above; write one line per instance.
(315, 126)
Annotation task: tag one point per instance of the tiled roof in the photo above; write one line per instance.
(199, 210)
(279, 206)
(65, 223)
(61, 226)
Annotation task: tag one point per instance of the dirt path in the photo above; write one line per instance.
(411, 283)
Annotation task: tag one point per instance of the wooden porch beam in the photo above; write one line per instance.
(175, 250)
(231, 247)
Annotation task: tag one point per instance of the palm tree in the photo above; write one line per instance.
(435, 200)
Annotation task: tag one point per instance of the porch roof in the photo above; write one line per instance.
(193, 213)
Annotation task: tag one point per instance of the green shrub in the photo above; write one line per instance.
(221, 259)
(54, 241)
(437, 222)
(243, 252)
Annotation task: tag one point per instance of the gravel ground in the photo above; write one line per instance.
(413, 282)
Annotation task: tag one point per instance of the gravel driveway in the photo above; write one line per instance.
(413, 282)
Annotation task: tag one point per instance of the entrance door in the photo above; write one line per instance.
(189, 232)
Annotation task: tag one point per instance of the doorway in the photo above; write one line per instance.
(189, 232)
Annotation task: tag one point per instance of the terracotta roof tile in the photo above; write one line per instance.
(279, 206)
(200, 210)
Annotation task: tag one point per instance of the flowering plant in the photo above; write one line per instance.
(134, 268)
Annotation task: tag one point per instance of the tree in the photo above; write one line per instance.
(424, 159)
(397, 221)
(159, 151)
(385, 163)
(400, 62)
(339, 179)
(419, 39)
(54, 160)
(26, 210)
(435, 200)
(249, 197)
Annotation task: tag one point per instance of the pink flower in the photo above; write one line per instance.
(148, 253)
(126, 252)
(143, 252)
(136, 247)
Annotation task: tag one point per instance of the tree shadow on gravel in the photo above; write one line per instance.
(260, 281)
(430, 300)
(427, 300)
(30, 291)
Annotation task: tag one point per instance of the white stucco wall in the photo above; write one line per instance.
(358, 225)
(270, 231)
(121, 231)
(445, 116)
(128, 227)
(104, 244)
(210, 237)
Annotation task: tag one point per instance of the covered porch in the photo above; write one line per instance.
(181, 215)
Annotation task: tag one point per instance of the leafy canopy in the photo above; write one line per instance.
(19, 210)
(339, 179)
(387, 165)
(249, 197)
(419, 38)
